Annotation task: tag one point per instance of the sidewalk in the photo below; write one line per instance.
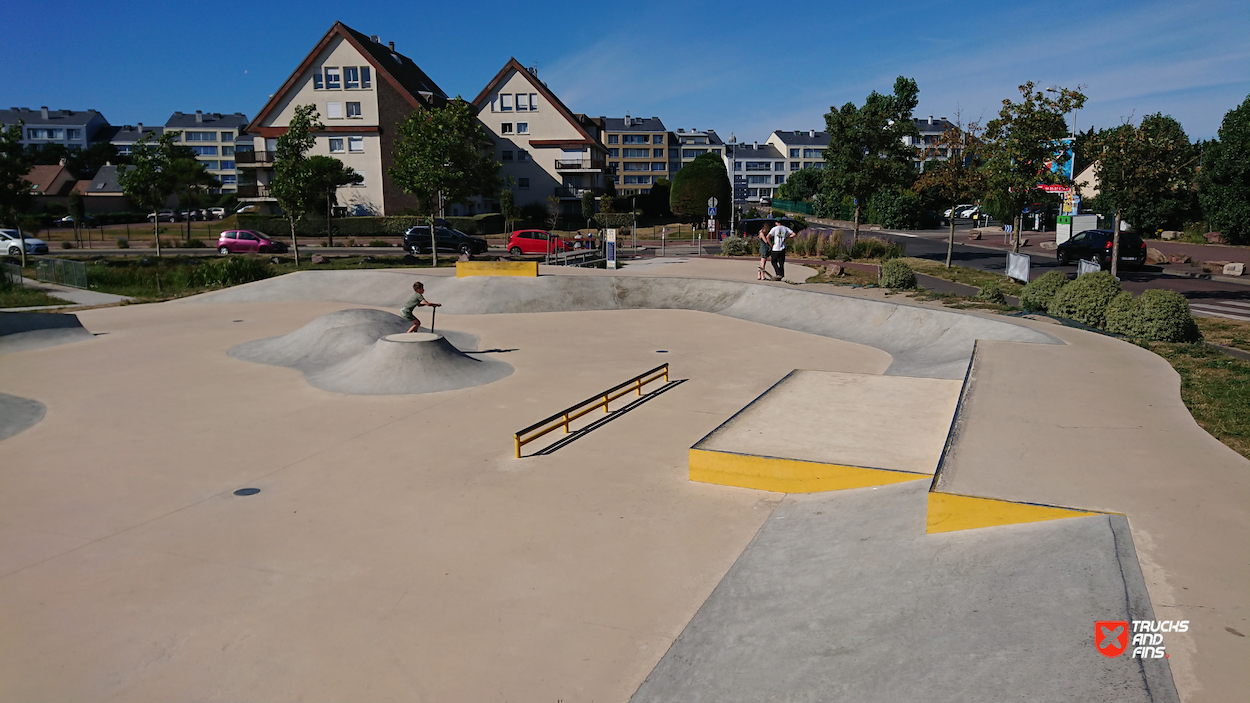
(76, 296)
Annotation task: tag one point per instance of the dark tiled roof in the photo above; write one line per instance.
(69, 118)
(105, 181)
(129, 134)
(713, 139)
(939, 125)
(749, 152)
(208, 120)
(803, 138)
(637, 124)
(401, 68)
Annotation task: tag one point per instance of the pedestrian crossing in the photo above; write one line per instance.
(1227, 309)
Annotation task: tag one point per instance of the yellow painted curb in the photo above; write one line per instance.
(496, 268)
(949, 512)
(786, 475)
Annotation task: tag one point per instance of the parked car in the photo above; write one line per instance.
(1096, 245)
(750, 228)
(248, 241)
(217, 212)
(417, 241)
(957, 209)
(68, 221)
(163, 216)
(969, 212)
(536, 241)
(11, 241)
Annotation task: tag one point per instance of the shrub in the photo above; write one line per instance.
(831, 246)
(67, 245)
(380, 243)
(875, 248)
(123, 243)
(196, 244)
(1157, 315)
(1039, 292)
(231, 271)
(1086, 299)
(896, 209)
(734, 245)
(991, 293)
(897, 275)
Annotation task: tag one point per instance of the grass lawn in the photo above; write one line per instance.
(22, 297)
(848, 277)
(1226, 333)
(967, 276)
(1216, 389)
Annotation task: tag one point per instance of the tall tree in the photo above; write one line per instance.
(78, 211)
(1020, 142)
(1145, 175)
(867, 152)
(291, 187)
(588, 206)
(149, 184)
(15, 195)
(801, 185)
(1224, 180)
(959, 176)
(444, 154)
(696, 183)
(191, 182)
(508, 208)
(326, 175)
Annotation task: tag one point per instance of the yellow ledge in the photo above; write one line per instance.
(496, 268)
(786, 475)
(949, 512)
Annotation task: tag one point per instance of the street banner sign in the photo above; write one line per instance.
(1085, 266)
(609, 244)
(1018, 266)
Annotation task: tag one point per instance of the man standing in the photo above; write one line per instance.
(778, 235)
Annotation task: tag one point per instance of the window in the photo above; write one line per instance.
(505, 128)
(637, 167)
(757, 179)
(637, 153)
(692, 153)
(672, 153)
(351, 78)
(227, 151)
(778, 180)
(204, 150)
(780, 166)
(522, 105)
(752, 192)
(336, 145)
(533, 102)
(210, 165)
(794, 153)
(657, 154)
(505, 102)
(636, 139)
(614, 165)
(45, 134)
(522, 155)
(200, 136)
(737, 165)
(332, 79)
(366, 78)
(614, 153)
(818, 164)
(813, 153)
(353, 109)
(231, 179)
(227, 136)
(632, 180)
(124, 150)
(73, 134)
(317, 84)
(522, 127)
(758, 166)
(334, 111)
(227, 165)
(657, 139)
(658, 166)
(356, 144)
(507, 155)
(614, 139)
(523, 182)
(794, 165)
(716, 151)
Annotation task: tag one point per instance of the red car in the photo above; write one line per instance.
(536, 241)
(247, 241)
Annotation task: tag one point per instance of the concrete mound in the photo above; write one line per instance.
(18, 414)
(367, 352)
(20, 331)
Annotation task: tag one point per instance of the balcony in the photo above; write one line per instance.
(581, 165)
(574, 192)
(253, 158)
(253, 191)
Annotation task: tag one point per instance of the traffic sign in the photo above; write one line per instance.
(711, 202)
(711, 211)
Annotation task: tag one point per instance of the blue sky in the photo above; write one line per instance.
(745, 68)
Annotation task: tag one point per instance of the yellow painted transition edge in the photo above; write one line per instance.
(496, 268)
(950, 512)
(767, 473)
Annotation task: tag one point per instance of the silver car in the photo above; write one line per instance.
(11, 242)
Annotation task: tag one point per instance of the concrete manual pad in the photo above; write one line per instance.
(842, 597)
(897, 423)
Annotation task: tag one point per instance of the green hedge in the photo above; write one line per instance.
(896, 209)
(1086, 299)
(1156, 315)
(897, 275)
(1038, 294)
(991, 293)
(362, 227)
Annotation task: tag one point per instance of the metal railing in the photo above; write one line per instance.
(253, 157)
(11, 274)
(575, 192)
(593, 164)
(599, 400)
(66, 273)
(253, 191)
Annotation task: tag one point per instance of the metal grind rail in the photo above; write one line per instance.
(599, 400)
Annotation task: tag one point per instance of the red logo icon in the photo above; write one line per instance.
(1111, 637)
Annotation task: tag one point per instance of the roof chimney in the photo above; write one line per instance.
(140, 128)
(391, 44)
(199, 116)
(930, 119)
(62, 160)
(43, 112)
(374, 38)
(811, 133)
(756, 146)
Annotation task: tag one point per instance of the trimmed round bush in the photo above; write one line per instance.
(1120, 314)
(1156, 315)
(1038, 294)
(897, 275)
(991, 293)
(1085, 300)
(738, 246)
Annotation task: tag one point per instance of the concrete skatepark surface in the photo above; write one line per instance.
(368, 352)
(20, 331)
(397, 551)
(18, 414)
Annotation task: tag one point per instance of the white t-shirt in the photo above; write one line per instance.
(779, 234)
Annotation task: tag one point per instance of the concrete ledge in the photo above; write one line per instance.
(496, 268)
(768, 473)
(949, 512)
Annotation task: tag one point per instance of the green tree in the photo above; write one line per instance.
(190, 181)
(444, 154)
(325, 175)
(801, 185)
(695, 183)
(296, 194)
(656, 204)
(15, 195)
(1020, 142)
(553, 212)
(508, 208)
(148, 183)
(958, 177)
(1224, 179)
(867, 152)
(588, 206)
(1145, 175)
(77, 210)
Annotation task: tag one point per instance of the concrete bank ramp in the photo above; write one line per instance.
(18, 414)
(367, 352)
(923, 341)
(20, 331)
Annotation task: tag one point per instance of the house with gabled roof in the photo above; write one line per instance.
(545, 148)
(363, 89)
(51, 180)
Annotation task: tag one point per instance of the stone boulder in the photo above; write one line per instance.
(1214, 266)
(318, 259)
(1154, 256)
(1179, 258)
(1235, 268)
(1215, 238)
(1170, 235)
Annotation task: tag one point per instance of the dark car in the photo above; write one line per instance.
(749, 228)
(1096, 245)
(417, 241)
